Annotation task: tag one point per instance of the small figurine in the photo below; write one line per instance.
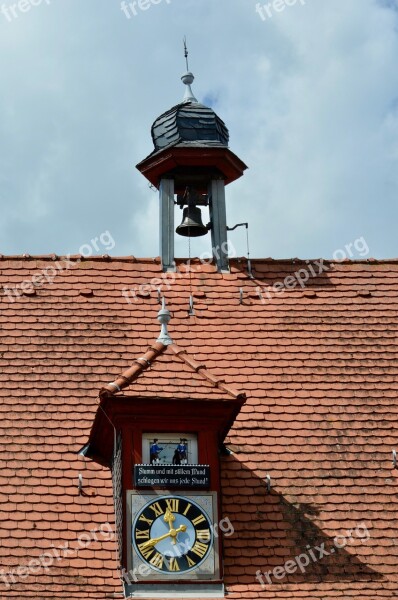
(154, 452)
(182, 451)
(176, 457)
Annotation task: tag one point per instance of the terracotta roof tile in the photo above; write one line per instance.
(321, 377)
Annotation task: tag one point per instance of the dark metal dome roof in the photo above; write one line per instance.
(189, 122)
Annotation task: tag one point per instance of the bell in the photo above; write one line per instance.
(191, 225)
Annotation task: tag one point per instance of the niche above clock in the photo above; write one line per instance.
(173, 448)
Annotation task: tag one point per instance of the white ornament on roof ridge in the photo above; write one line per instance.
(164, 317)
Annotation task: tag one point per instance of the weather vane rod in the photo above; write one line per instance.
(186, 52)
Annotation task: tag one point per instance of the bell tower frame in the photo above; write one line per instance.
(191, 155)
(206, 168)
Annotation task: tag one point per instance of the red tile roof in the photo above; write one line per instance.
(320, 372)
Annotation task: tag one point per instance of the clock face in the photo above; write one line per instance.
(172, 534)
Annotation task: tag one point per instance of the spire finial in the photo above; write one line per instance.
(186, 51)
(164, 317)
(188, 78)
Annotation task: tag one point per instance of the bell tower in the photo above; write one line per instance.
(190, 166)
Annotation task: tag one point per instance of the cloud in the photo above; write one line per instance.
(310, 98)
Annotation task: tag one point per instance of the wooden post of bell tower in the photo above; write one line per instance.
(166, 224)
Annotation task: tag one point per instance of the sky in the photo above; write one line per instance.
(307, 88)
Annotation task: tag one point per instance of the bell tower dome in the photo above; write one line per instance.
(191, 164)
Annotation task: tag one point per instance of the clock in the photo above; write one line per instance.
(173, 535)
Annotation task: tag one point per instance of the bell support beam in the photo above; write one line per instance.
(166, 221)
(218, 219)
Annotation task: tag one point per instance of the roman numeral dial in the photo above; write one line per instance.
(173, 535)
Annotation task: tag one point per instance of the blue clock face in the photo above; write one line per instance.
(172, 534)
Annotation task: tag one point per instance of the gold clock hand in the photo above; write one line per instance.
(172, 533)
(170, 518)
